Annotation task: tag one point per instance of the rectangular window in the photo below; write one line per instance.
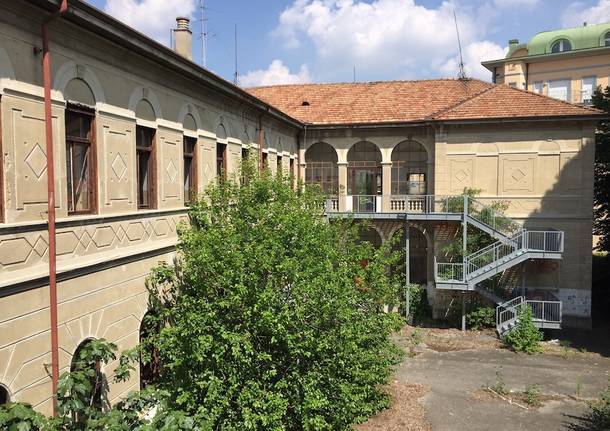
(560, 89)
(80, 174)
(221, 161)
(279, 164)
(145, 155)
(265, 158)
(244, 153)
(190, 169)
(589, 85)
(538, 87)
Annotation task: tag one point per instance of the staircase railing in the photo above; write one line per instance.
(499, 252)
(492, 218)
(544, 313)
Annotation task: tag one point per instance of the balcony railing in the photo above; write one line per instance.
(396, 204)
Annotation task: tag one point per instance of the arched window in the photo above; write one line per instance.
(607, 39)
(409, 166)
(4, 396)
(321, 167)
(370, 235)
(561, 45)
(82, 362)
(150, 362)
(364, 169)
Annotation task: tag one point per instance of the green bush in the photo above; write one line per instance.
(597, 417)
(481, 317)
(276, 323)
(524, 337)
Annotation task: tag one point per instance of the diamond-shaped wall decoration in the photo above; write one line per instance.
(461, 175)
(37, 161)
(15, 250)
(517, 175)
(119, 167)
(171, 171)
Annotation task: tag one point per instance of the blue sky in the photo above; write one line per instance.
(288, 41)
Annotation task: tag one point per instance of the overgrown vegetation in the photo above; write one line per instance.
(532, 395)
(482, 316)
(524, 337)
(272, 319)
(419, 308)
(597, 417)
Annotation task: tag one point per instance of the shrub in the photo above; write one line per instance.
(481, 317)
(524, 337)
(597, 417)
(532, 395)
(419, 309)
(275, 322)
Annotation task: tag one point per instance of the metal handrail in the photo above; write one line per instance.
(495, 219)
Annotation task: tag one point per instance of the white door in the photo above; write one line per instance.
(560, 89)
(588, 87)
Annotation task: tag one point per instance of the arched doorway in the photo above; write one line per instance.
(409, 167)
(150, 362)
(321, 167)
(364, 176)
(369, 234)
(91, 370)
(4, 396)
(418, 255)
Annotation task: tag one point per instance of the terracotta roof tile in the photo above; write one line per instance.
(410, 101)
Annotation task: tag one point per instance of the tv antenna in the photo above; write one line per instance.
(203, 34)
(235, 75)
(462, 72)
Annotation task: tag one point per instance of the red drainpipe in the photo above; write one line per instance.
(46, 71)
(261, 141)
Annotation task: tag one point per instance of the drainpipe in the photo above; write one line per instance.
(46, 70)
(527, 75)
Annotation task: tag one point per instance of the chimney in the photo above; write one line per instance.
(183, 38)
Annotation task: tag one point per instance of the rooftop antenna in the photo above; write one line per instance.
(235, 75)
(462, 73)
(354, 73)
(202, 34)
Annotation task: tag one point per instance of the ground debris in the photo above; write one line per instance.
(405, 412)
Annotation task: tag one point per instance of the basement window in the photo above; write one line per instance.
(304, 103)
(4, 397)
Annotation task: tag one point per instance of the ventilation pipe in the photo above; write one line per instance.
(183, 38)
(46, 71)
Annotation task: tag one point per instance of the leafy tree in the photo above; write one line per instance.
(273, 320)
(601, 226)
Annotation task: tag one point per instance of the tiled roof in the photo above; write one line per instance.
(410, 101)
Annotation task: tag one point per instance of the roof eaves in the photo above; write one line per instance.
(108, 27)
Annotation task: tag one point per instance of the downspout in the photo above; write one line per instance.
(527, 76)
(46, 71)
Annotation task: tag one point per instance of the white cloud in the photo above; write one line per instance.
(384, 38)
(473, 55)
(154, 18)
(277, 73)
(576, 14)
(516, 3)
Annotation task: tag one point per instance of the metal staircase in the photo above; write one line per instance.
(546, 314)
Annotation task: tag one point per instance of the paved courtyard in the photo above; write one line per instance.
(449, 370)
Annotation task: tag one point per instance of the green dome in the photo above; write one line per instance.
(590, 36)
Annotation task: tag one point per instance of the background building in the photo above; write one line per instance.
(568, 64)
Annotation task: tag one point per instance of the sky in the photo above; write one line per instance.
(300, 41)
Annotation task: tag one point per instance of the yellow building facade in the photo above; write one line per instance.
(568, 64)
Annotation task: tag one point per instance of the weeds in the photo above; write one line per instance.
(532, 395)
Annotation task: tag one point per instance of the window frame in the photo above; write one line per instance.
(222, 175)
(152, 172)
(606, 39)
(70, 142)
(192, 193)
(561, 44)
